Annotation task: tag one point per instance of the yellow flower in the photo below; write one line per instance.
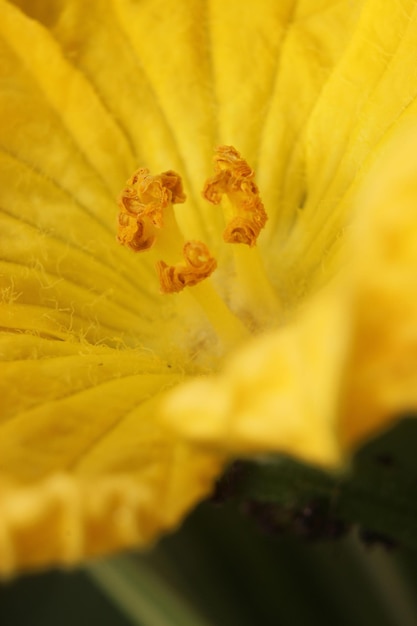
(120, 404)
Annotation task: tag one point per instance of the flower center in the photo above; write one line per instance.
(147, 222)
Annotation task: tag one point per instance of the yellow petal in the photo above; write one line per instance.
(72, 105)
(315, 37)
(85, 467)
(381, 382)
(146, 82)
(211, 73)
(278, 394)
(61, 268)
(369, 93)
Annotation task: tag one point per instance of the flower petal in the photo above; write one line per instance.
(382, 377)
(315, 38)
(84, 466)
(370, 92)
(278, 394)
(211, 73)
(109, 43)
(61, 270)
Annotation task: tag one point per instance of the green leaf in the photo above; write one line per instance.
(377, 492)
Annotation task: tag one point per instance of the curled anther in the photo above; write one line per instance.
(141, 206)
(198, 264)
(234, 178)
(133, 233)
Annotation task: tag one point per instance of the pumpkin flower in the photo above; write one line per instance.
(208, 237)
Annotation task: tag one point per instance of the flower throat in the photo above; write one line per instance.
(147, 221)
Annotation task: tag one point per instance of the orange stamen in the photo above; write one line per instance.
(235, 179)
(198, 264)
(141, 205)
